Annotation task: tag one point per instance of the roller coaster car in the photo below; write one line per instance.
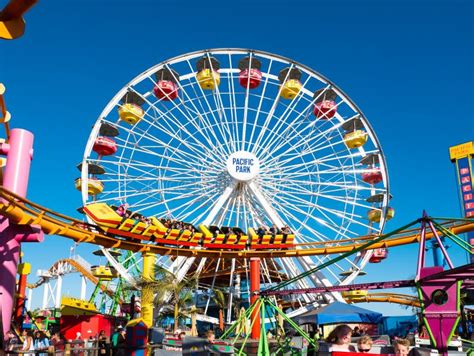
(354, 294)
(105, 273)
(279, 240)
(154, 230)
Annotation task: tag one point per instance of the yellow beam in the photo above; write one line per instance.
(148, 274)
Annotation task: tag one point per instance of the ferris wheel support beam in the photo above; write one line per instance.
(219, 204)
(317, 279)
(272, 214)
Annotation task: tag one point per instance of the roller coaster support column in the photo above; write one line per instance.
(254, 295)
(19, 152)
(147, 292)
(24, 270)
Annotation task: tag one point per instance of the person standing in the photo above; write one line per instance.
(102, 343)
(114, 340)
(122, 343)
(41, 343)
(12, 341)
(28, 343)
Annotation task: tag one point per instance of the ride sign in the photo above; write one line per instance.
(243, 166)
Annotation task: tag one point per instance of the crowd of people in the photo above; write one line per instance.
(172, 224)
(340, 338)
(273, 231)
(38, 340)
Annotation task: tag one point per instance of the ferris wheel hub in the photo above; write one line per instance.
(243, 166)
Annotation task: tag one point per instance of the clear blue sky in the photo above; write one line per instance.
(407, 64)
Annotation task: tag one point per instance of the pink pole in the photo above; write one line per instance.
(19, 151)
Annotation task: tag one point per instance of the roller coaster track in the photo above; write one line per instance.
(24, 212)
(79, 268)
(403, 299)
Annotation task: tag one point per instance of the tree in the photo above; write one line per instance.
(219, 300)
(170, 291)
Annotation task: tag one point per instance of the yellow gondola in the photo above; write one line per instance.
(355, 138)
(375, 215)
(208, 79)
(94, 186)
(290, 89)
(131, 113)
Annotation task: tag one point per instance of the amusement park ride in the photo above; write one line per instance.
(244, 168)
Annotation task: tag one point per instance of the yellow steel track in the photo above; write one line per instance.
(83, 271)
(403, 299)
(24, 212)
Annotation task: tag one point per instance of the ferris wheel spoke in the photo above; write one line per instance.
(202, 117)
(246, 105)
(225, 137)
(273, 133)
(185, 157)
(140, 164)
(156, 123)
(304, 225)
(219, 100)
(271, 113)
(167, 117)
(311, 149)
(184, 161)
(259, 107)
(197, 148)
(333, 156)
(184, 214)
(274, 145)
(233, 103)
(337, 213)
(219, 204)
(188, 118)
(320, 221)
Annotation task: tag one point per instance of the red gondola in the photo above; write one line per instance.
(104, 146)
(378, 255)
(325, 106)
(326, 109)
(373, 176)
(250, 75)
(166, 87)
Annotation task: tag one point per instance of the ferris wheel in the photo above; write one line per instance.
(243, 139)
